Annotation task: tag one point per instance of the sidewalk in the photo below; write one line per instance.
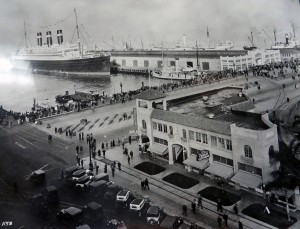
(172, 198)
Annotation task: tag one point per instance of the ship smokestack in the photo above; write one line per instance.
(59, 37)
(49, 38)
(39, 39)
(184, 40)
(286, 39)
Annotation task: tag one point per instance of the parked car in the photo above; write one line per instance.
(94, 212)
(82, 183)
(98, 188)
(69, 171)
(38, 205)
(154, 215)
(38, 177)
(70, 216)
(123, 199)
(51, 195)
(169, 222)
(138, 207)
(111, 194)
(101, 176)
(79, 173)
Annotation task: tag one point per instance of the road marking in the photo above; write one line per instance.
(20, 145)
(28, 141)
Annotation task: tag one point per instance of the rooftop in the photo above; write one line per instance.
(151, 94)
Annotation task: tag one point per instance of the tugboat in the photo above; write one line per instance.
(60, 57)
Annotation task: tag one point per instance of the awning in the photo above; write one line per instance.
(201, 164)
(158, 149)
(220, 170)
(247, 180)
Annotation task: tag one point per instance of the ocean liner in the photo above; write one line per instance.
(61, 57)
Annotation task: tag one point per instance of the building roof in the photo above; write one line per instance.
(216, 126)
(151, 94)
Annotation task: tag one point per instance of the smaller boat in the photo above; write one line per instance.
(170, 73)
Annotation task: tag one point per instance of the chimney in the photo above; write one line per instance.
(39, 39)
(49, 38)
(184, 40)
(286, 39)
(59, 37)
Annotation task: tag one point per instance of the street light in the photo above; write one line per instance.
(121, 85)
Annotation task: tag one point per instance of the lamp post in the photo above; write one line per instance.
(121, 85)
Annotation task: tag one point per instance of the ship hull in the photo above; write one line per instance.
(85, 65)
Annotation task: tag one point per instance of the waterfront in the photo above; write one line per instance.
(18, 88)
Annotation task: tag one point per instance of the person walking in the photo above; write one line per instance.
(113, 171)
(105, 168)
(81, 149)
(82, 136)
(99, 152)
(79, 135)
(97, 169)
(225, 217)
(123, 145)
(240, 225)
(200, 201)
(219, 206)
(220, 220)
(129, 139)
(103, 151)
(235, 209)
(142, 184)
(146, 182)
(128, 159)
(193, 207)
(119, 166)
(184, 210)
(102, 146)
(77, 149)
(131, 154)
(113, 143)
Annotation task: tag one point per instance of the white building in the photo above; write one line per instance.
(255, 57)
(235, 148)
(289, 54)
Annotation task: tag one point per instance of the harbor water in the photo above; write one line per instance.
(19, 88)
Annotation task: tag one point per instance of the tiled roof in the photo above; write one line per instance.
(151, 94)
(192, 121)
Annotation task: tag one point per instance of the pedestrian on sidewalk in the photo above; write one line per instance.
(129, 139)
(184, 210)
(123, 145)
(103, 151)
(77, 149)
(193, 207)
(220, 220)
(235, 209)
(95, 164)
(219, 206)
(81, 149)
(200, 201)
(79, 136)
(99, 152)
(105, 168)
(78, 160)
(66, 133)
(119, 165)
(131, 154)
(82, 137)
(81, 163)
(114, 144)
(225, 217)
(143, 184)
(128, 159)
(240, 225)
(146, 182)
(97, 169)
(113, 171)
(102, 146)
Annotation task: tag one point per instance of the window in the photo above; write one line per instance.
(143, 104)
(144, 125)
(248, 151)
(135, 63)
(214, 141)
(183, 133)
(159, 64)
(171, 130)
(172, 63)
(189, 64)
(160, 127)
(154, 126)
(222, 143)
(222, 160)
(191, 135)
(228, 145)
(123, 62)
(205, 66)
(165, 128)
(204, 138)
(160, 141)
(198, 137)
(250, 169)
(146, 63)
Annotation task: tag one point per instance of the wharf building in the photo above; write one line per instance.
(253, 58)
(215, 133)
(203, 60)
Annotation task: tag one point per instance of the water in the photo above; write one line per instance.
(17, 88)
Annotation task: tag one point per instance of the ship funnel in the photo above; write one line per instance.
(39, 39)
(60, 39)
(49, 38)
(184, 40)
(286, 39)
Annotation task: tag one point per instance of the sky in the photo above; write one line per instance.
(113, 22)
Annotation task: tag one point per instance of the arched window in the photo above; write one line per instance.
(171, 130)
(248, 151)
(183, 133)
(144, 125)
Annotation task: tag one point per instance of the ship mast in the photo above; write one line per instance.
(78, 38)
(197, 56)
(275, 34)
(25, 35)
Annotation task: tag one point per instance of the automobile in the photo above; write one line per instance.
(51, 195)
(70, 216)
(83, 182)
(38, 205)
(169, 222)
(123, 199)
(101, 176)
(138, 207)
(79, 173)
(111, 194)
(38, 177)
(94, 212)
(98, 188)
(69, 171)
(154, 215)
